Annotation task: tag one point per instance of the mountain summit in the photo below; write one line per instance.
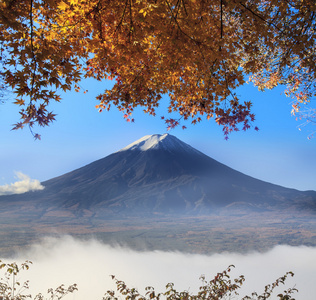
(159, 142)
(157, 174)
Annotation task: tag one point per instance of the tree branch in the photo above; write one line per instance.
(258, 16)
(221, 19)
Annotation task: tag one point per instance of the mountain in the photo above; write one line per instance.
(157, 174)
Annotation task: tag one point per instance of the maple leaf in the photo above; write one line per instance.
(37, 136)
(18, 125)
(62, 5)
(19, 102)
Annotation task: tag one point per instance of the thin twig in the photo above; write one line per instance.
(258, 16)
(221, 19)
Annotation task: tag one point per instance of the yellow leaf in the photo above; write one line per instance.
(62, 5)
(142, 11)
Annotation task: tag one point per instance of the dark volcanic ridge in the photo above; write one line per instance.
(156, 175)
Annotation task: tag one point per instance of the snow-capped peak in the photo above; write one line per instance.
(159, 141)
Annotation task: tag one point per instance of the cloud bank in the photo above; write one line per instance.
(90, 264)
(25, 184)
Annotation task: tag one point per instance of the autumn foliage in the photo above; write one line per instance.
(195, 51)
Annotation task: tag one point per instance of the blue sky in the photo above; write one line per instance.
(277, 153)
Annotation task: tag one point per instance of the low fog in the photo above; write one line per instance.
(90, 263)
(23, 185)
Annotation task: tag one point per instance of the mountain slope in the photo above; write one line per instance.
(158, 174)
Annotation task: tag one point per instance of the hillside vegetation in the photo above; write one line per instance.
(222, 286)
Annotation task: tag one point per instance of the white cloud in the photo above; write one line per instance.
(25, 184)
(90, 264)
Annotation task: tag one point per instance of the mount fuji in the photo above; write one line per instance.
(157, 174)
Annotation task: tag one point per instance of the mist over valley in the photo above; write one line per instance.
(90, 263)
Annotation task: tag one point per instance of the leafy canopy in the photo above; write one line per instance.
(196, 51)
